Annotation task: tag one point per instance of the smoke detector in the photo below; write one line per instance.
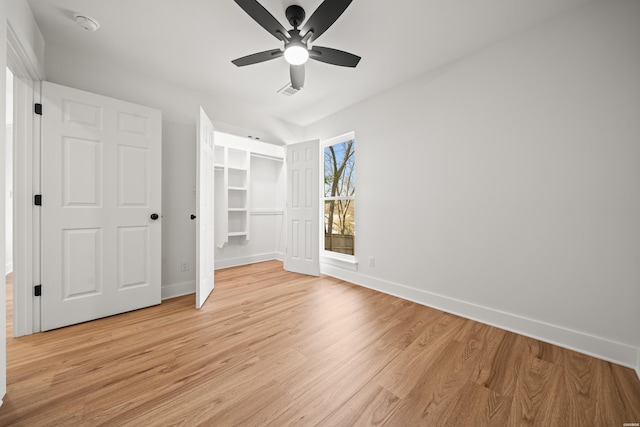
(86, 22)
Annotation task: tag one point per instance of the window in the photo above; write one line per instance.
(339, 195)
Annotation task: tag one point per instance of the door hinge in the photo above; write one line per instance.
(37, 200)
(38, 109)
(37, 290)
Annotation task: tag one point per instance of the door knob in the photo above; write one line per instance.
(154, 216)
(193, 216)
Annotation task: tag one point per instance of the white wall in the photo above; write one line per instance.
(505, 186)
(178, 203)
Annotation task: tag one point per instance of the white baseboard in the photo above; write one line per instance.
(601, 348)
(8, 268)
(234, 262)
(178, 289)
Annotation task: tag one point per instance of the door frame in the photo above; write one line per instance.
(26, 183)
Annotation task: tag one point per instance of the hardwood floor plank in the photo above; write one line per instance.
(500, 372)
(531, 399)
(275, 348)
(206, 398)
(479, 406)
(427, 393)
(257, 409)
(627, 389)
(370, 406)
(350, 348)
(403, 373)
(336, 388)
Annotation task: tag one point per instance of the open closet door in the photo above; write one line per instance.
(303, 213)
(204, 209)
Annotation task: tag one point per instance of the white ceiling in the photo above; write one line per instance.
(192, 42)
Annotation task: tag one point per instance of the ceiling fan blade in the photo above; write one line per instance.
(324, 17)
(297, 76)
(334, 56)
(258, 57)
(264, 18)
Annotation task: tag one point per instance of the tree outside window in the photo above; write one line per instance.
(339, 197)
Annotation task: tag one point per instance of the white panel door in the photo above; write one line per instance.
(101, 200)
(205, 239)
(303, 214)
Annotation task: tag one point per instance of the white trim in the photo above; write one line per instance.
(8, 268)
(24, 221)
(339, 198)
(602, 348)
(37, 164)
(235, 262)
(338, 139)
(341, 259)
(22, 61)
(348, 262)
(178, 289)
(24, 64)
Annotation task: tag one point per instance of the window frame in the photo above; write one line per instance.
(329, 257)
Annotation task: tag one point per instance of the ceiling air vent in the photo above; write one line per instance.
(288, 90)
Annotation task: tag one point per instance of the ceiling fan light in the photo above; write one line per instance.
(296, 54)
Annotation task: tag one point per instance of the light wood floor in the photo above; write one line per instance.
(275, 348)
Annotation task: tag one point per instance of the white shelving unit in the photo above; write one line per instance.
(249, 202)
(232, 183)
(220, 204)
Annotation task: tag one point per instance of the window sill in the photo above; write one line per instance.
(349, 263)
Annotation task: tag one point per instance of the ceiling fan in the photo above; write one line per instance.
(296, 41)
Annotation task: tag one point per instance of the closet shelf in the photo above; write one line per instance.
(267, 157)
(237, 233)
(267, 212)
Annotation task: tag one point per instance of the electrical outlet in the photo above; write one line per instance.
(372, 261)
(184, 266)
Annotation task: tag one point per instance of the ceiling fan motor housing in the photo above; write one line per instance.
(295, 15)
